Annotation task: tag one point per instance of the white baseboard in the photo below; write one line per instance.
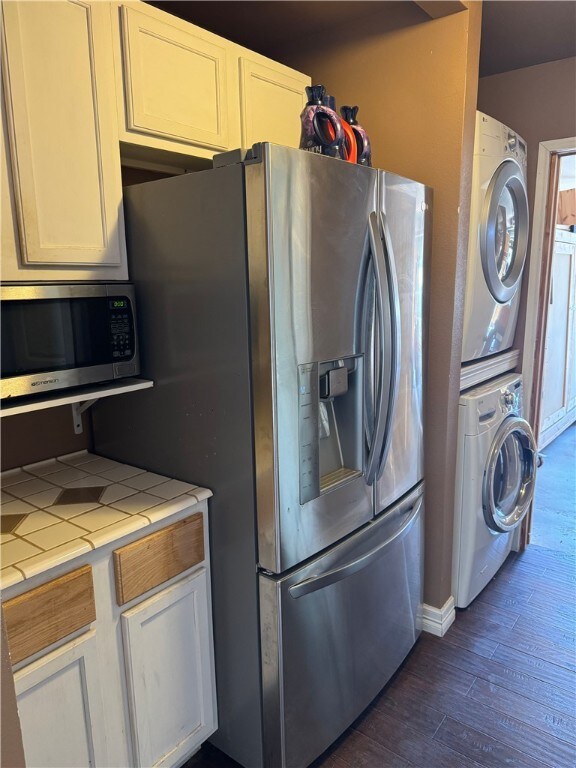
(437, 621)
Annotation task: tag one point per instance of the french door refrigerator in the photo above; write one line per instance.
(281, 304)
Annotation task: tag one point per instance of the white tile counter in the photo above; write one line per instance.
(51, 533)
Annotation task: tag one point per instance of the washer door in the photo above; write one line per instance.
(504, 231)
(509, 475)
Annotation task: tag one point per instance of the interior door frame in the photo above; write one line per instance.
(543, 225)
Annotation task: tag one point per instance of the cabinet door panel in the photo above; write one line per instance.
(65, 148)
(9, 242)
(167, 648)
(271, 103)
(174, 80)
(571, 344)
(557, 351)
(60, 708)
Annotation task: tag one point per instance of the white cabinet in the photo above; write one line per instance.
(63, 142)
(272, 97)
(167, 647)
(136, 684)
(184, 90)
(174, 83)
(9, 242)
(60, 706)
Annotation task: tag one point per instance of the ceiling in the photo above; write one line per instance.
(521, 33)
(515, 33)
(268, 27)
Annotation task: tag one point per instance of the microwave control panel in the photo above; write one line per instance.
(121, 328)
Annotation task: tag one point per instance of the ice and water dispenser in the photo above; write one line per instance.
(330, 399)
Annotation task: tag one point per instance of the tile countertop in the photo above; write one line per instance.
(52, 533)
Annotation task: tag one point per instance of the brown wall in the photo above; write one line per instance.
(540, 104)
(415, 80)
(41, 435)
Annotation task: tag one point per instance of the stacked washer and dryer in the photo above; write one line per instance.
(496, 457)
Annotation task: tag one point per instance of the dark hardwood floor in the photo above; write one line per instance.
(498, 690)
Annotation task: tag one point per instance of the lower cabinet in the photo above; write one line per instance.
(170, 686)
(113, 659)
(60, 706)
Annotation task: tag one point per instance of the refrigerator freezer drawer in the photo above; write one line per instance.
(335, 631)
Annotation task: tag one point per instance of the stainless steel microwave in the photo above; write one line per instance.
(56, 336)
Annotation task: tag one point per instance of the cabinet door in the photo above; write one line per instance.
(9, 242)
(558, 355)
(571, 345)
(60, 707)
(175, 80)
(271, 100)
(64, 147)
(169, 661)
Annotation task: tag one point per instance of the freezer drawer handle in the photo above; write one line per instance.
(314, 583)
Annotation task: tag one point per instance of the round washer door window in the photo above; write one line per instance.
(509, 475)
(504, 231)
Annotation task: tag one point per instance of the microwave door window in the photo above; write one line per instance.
(91, 323)
(54, 335)
(36, 337)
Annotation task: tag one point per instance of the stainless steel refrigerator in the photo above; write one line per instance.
(280, 298)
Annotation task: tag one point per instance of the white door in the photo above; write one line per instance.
(168, 653)
(508, 485)
(60, 707)
(504, 231)
(558, 408)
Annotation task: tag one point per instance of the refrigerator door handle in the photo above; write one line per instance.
(314, 583)
(395, 338)
(366, 345)
(384, 335)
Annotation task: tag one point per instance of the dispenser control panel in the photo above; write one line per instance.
(308, 431)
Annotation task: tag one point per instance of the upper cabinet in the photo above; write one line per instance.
(272, 97)
(83, 79)
(174, 83)
(187, 91)
(63, 142)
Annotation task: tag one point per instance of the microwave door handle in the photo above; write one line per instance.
(395, 348)
(383, 336)
(315, 583)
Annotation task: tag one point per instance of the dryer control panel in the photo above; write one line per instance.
(493, 138)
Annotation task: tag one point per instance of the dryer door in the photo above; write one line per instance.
(509, 476)
(504, 231)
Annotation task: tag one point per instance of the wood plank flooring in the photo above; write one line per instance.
(497, 691)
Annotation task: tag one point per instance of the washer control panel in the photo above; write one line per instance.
(511, 398)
